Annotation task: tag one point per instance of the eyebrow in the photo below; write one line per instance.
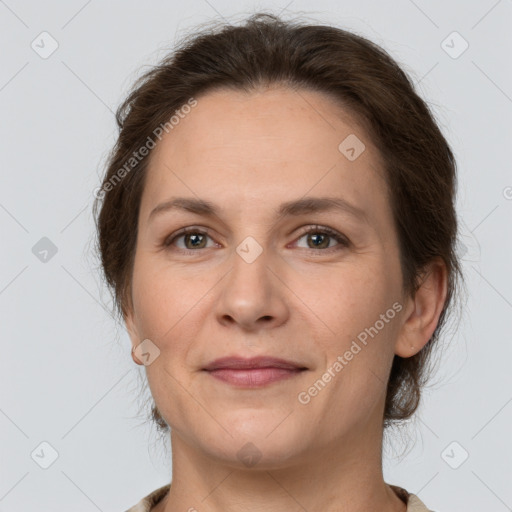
(287, 209)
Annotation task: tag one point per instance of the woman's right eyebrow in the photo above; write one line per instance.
(290, 208)
(190, 204)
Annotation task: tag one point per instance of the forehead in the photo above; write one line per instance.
(269, 145)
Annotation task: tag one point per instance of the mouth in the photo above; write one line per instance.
(253, 372)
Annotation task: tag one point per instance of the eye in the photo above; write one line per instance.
(193, 238)
(319, 237)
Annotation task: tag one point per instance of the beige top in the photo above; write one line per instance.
(414, 504)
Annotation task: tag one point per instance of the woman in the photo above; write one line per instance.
(277, 224)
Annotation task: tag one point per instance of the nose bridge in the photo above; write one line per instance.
(249, 278)
(251, 293)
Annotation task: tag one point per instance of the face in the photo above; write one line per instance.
(315, 284)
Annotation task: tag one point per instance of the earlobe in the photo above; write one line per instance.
(132, 331)
(423, 311)
(136, 360)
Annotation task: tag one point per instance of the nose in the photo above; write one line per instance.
(253, 295)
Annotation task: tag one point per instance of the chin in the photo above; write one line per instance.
(265, 424)
(257, 444)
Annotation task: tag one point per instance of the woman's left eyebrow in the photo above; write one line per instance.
(288, 209)
(320, 204)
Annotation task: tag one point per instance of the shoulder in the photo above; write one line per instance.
(414, 504)
(149, 501)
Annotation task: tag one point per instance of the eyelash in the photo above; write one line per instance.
(343, 242)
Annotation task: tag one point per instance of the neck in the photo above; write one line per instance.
(344, 476)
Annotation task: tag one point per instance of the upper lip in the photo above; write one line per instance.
(240, 363)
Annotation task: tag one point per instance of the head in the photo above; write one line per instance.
(251, 127)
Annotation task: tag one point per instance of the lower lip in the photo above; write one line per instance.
(253, 378)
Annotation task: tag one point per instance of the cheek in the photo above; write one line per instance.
(361, 311)
(161, 298)
(354, 298)
(164, 307)
(169, 311)
(356, 368)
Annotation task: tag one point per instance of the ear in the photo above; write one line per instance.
(131, 327)
(132, 331)
(423, 310)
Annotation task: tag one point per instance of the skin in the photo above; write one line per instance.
(248, 153)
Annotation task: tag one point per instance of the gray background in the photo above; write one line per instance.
(67, 377)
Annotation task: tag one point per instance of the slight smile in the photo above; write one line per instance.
(254, 372)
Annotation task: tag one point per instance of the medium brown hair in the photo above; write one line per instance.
(419, 166)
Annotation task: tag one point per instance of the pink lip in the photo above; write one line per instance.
(241, 363)
(253, 378)
(253, 372)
